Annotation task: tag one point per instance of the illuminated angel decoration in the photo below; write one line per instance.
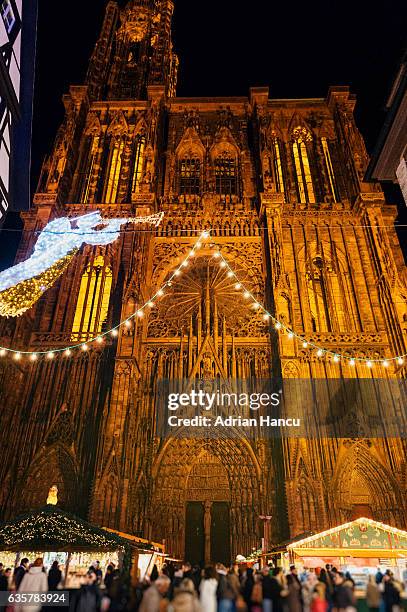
(23, 284)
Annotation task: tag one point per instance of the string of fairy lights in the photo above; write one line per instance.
(279, 326)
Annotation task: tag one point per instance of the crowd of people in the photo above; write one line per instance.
(214, 589)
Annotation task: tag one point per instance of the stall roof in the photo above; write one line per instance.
(52, 529)
(362, 537)
(137, 542)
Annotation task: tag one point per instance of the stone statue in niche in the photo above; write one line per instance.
(52, 498)
(268, 181)
(207, 365)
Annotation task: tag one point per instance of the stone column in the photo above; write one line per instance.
(207, 531)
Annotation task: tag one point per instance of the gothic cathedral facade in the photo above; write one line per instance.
(279, 184)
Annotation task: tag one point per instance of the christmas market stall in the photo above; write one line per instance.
(54, 534)
(145, 555)
(359, 547)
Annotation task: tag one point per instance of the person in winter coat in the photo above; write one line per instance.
(54, 576)
(319, 602)
(343, 597)
(278, 590)
(248, 587)
(226, 592)
(185, 599)
(89, 596)
(4, 579)
(373, 594)
(4, 583)
(153, 596)
(294, 597)
(267, 590)
(308, 589)
(391, 594)
(207, 589)
(108, 579)
(20, 572)
(34, 581)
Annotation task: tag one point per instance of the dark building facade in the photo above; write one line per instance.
(18, 26)
(389, 160)
(280, 184)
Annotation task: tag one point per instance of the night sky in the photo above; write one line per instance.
(296, 48)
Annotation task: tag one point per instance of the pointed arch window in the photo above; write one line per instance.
(90, 168)
(189, 172)
(139, 155)
(115, 164)
(226, 175)
(329, 169)
(305, 186)
(278, 165)
(93, 300)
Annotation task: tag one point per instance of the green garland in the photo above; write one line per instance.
(50, 526)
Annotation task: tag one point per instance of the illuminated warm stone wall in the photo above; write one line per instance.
(280, 184)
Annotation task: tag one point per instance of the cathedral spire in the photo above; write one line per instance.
(134, 51)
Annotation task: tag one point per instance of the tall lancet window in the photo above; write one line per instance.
(226, 175)
(305, 187)
(278, 165)
(90, 168)
(115, 164)
(138, 164)
(329, 169)
(93, 300)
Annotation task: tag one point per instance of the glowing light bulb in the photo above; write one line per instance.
(150, 304)
(290, 335)
(34, 357)
(205, 235)
(266, 317)
(216, 255)
(238, 286)
(246, 295)
(140, 314)
(198, 245)
(222, 264)
(67, 353)
(84, 347)
(320, 352)
(278, 325)
(385, 363)
(185, 263)
(50, 355)
(114, 333)
(352, 362)
(160, 292)
(3, 352)
(99, 339)
(17, 356)
(230, 274)
(177, 273)
(336, 358)
(369, 364)
(127, 324)
(256, 306)
(305, 344)
(400, 360)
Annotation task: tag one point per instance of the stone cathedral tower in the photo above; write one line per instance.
(280, 185)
